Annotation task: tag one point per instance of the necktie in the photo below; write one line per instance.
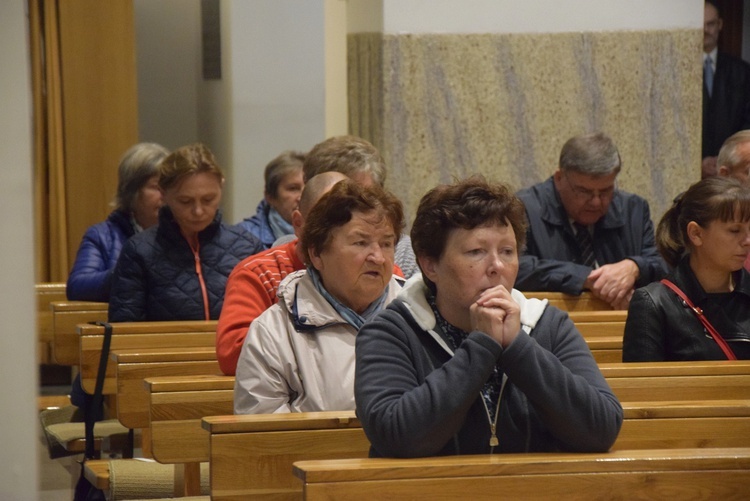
(708, 75)
(585, 244)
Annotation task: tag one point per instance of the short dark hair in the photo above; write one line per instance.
(336, 208)
(466, 204)
(715, 198)
(715, 5)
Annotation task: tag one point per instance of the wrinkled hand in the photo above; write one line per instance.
(624, 303)
(614, 282)
(497, 315)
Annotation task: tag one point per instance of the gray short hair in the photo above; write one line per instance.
(349, 155)
(729, 155)
(139, 164)
(278, 168)
(590, 154)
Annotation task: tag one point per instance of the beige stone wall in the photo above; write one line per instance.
(445, 106)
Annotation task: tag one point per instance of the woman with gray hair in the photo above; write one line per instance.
(136, 208)
(282, 192)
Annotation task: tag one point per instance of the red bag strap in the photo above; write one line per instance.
(699, 313)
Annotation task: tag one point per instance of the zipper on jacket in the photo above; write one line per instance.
(199, 271)
(494, 441)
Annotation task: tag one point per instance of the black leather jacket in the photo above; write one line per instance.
(660, 326)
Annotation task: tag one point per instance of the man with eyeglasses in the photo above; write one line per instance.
(584, 233)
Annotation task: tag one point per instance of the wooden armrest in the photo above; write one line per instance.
(281, 422)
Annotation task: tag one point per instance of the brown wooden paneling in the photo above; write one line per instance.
(100, 108)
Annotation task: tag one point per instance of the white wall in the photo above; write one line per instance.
(18, 368)
(538, 16)
(278, 89)
(275, 78)
(168, 46)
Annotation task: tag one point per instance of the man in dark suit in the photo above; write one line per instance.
(726, 91)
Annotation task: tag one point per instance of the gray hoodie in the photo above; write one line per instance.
(416, 398)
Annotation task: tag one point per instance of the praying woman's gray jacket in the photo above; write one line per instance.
(416, 399)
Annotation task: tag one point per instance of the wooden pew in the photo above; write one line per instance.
(46, 293)
(133, 366)
(158, 337)
(137, 364)
(603, 332)
(647, 474)
(177, 405)
(648, 424)
(136, 335)
(250, 456)
(567, 302)
(66, 315)
(664, 381)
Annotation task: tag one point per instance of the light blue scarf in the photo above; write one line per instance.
(278, 224)
(351, 316)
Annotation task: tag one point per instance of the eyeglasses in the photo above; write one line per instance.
(587, 195)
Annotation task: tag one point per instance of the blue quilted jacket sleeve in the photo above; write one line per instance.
(91, 276)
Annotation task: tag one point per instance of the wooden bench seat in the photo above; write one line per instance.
(646, 474)
(66, 316)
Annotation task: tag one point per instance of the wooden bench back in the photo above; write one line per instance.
(647, 474)
(603, 332)
(177, 405)
(45, 294)
(251, 456)
(133, 366)
(566, 302)
(66, 316)
(135, 335)
(139, 365)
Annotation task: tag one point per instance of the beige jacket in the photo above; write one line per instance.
(298, 356)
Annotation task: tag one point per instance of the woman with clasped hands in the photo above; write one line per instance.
(298, 356)
(462, 363)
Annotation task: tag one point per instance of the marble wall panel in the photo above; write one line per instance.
(442, 106)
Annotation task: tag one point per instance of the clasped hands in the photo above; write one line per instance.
(614, 283)
(497, 315)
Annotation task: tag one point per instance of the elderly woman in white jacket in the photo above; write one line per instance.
(298, 355)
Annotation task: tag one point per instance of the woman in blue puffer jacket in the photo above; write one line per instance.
(136, 208)
(178, 269)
